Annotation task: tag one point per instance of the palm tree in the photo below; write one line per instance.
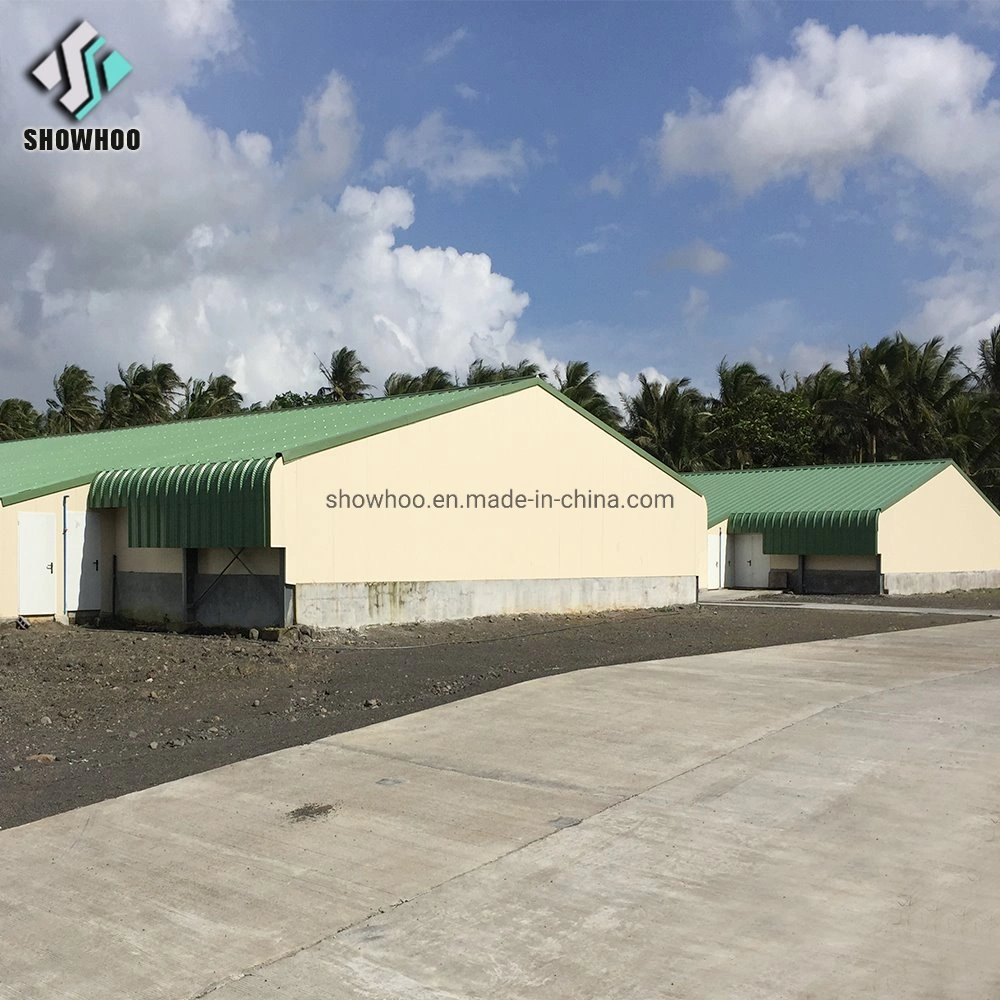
(344, 377)
(823, 391)
(145, 395)
(973, 420)
(18, 420)
(214, 397)
(894, 395)
(668, 422)
(869, 407)
(579, 384)
(290, 401)
(74, 408)
(523, 369)
(928, 381)
(737, 382)
(987, 372)
(430, 380)
(481, 373)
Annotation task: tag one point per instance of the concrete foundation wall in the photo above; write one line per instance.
(240, 600)
(355, 604)
(840, 575)
(940, 583)
(827, 575)
(150, 597)
(839, 581)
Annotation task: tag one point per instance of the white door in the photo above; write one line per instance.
(36, 563)
(751, 565)
(83, 561)
(717, 575)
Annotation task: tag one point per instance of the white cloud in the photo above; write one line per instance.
(787, 236)
(208, 249)
(328, 136)
(466, 92)
(699, 257)
(803, 358)
(981, 13)
(606, 181)
(905, 234)
(444, 48)
(600, 242)
(627, 383)
(960, 305)
(696, 307)
(904, 109)
(450, 156)
(840, 102)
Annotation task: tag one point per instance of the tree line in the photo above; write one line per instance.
(893, 400)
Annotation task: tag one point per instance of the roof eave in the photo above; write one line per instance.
(10, 499)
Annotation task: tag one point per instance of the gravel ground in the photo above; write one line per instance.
(86, 714)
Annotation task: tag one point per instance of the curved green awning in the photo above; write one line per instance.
(204, 506)
(811, 532)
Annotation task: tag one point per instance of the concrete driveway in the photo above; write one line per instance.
(811, 821)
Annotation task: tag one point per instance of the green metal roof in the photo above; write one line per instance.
(41, 466)
(812, 510)
(191, 506)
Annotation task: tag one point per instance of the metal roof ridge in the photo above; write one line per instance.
(815, 468)
(184, 465)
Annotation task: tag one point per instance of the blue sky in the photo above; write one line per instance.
(644, 186)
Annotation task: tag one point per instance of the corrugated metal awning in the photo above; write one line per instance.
(205, 506)
(812, 532)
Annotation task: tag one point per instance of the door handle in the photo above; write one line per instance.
(97, 566)
(49, 567)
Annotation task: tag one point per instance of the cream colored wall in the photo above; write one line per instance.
(52, 504)
(859, 563)
(261, 562)
(139, 560)
(945, 526)
(525, 441)
(782, 561)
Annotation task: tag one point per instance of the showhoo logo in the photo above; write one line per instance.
(74, 61)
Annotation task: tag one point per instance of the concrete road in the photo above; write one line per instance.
(766, 599)
(813, 821)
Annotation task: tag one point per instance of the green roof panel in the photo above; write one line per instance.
(812, 510)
